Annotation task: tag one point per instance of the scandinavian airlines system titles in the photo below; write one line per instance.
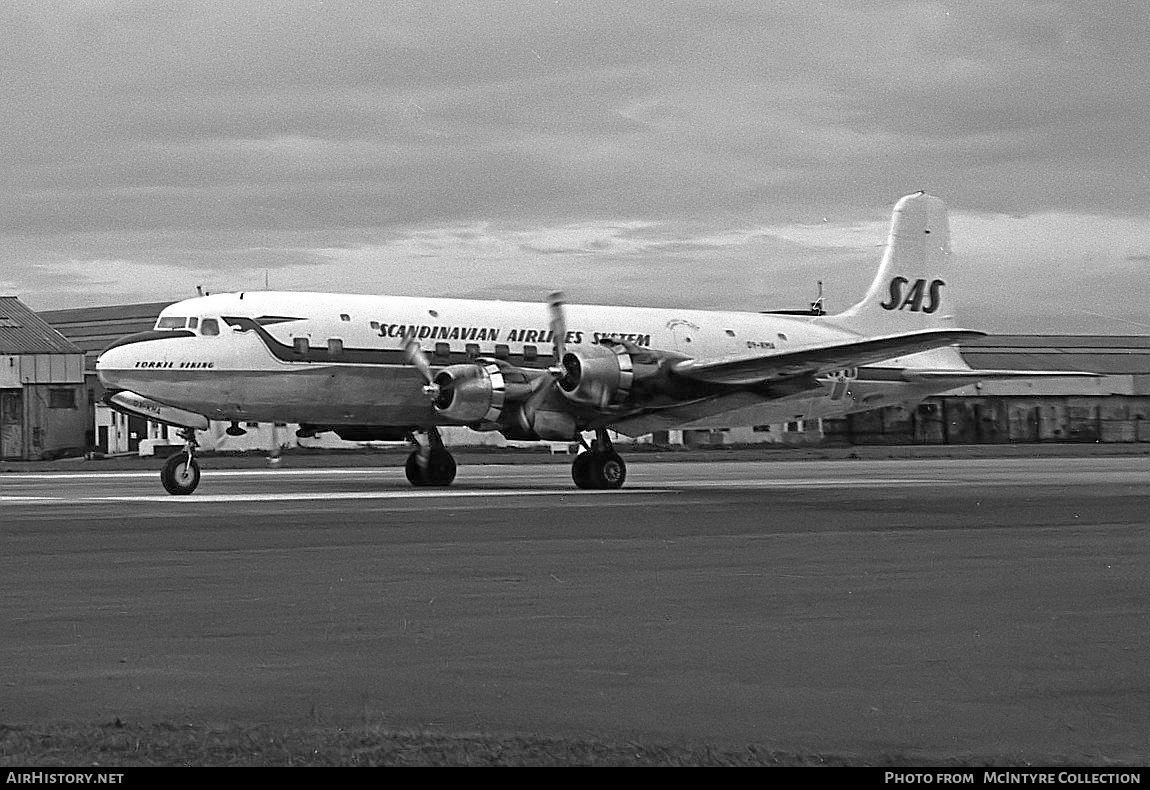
(493, 334)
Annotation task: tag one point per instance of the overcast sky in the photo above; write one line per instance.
(702, 154)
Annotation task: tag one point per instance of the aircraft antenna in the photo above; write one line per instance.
(817, 307)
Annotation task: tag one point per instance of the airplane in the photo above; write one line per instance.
(400, 367)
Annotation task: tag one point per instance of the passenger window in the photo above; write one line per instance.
(442, 350)
(334, 346)
(209, 326)
(472, 350)
(530, 353)
(502, 351)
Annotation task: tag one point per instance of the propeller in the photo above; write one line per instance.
(274, 446)
(417, 358)
(558, 333)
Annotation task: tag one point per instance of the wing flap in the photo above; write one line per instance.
(747, 369)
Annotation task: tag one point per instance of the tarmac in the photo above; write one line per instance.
(956, 611)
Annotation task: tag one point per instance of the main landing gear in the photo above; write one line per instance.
(600, 466)
(430, 464)
(181, 473)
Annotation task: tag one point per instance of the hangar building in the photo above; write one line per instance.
(44, 405)
(1114, 407)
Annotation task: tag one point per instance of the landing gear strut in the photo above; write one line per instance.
(600, 466)
(430, 464)
(181, 473)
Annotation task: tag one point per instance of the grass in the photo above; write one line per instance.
(123, 745)
(172, 745)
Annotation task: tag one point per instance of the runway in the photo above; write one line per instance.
(949, 609)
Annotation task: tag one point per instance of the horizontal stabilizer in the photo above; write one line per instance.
(747, 369)
(923, 375)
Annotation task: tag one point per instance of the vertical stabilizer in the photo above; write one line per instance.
(912, 289)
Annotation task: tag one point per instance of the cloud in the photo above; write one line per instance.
(611, 146)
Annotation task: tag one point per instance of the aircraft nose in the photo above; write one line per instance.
(111, 363)
(122, 355)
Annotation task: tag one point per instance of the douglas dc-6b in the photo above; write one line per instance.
(399, 367)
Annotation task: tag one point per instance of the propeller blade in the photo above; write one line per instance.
(558, 331)
(274, 446)
(418, 359)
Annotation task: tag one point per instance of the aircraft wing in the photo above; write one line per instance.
(747, 369)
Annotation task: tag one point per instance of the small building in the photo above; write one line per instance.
(44, 404)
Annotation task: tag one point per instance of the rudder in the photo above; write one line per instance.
(911, 289)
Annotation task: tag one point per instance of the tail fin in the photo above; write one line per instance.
(911, 289)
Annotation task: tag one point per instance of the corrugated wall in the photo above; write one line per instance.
(1000, 420)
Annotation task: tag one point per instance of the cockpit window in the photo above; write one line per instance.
(209, 326)
(171, 322)
(193, 323)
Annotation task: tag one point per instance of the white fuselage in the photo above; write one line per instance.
(333, 359)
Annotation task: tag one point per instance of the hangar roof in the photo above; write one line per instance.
(24, 332)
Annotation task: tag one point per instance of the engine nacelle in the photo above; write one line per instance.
(599, 375)
(471, 393)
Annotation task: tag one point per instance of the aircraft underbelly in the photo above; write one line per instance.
(318, 395)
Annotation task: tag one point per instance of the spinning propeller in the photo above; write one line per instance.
(416, 357)
(558, 335)
(436, 388)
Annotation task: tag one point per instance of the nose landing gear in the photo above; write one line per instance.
(181, 473)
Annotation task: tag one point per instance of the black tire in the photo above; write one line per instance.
(413, 470)
(180, 475)
(609, 471)
(581, 471)
(440, 470)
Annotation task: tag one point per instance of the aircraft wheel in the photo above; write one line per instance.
(413, 470)
(440, 470)
(609, 471)
(180, 474)
(581, 471)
